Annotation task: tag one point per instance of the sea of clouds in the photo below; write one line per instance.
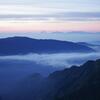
(55, 60)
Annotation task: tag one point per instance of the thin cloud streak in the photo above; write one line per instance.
(50, 15)
(33, 12)
(63, 16)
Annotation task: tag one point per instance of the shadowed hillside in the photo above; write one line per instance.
(76, 83)
(23, 45)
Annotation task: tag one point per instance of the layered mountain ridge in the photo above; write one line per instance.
(24, 45)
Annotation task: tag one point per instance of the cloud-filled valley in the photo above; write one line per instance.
(55, 60)
(15, 68)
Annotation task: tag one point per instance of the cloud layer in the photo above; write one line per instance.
(29, 12)
(56, 60)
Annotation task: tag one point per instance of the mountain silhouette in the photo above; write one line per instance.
(84, 84)
(75, 83)
(24, 45)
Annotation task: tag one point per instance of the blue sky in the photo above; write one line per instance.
(54, 2)
(49, 15)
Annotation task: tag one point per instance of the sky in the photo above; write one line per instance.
(49, 15)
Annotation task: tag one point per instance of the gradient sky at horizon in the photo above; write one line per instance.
(49, 15)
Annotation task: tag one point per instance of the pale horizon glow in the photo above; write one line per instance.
(50, 26)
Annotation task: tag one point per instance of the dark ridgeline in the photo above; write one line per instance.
(76, 83)
(24, 45)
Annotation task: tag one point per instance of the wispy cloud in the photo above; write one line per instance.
(65, 15)
(33, 12)
(62, 16)
(56, 60)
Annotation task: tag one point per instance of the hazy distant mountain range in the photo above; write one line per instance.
(91, 45)
(24, 45)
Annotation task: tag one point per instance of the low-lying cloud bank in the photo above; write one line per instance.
(55, 60)
(14, 69)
